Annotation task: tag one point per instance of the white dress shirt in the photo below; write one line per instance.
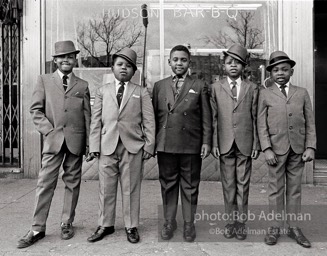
(286, 88)
(238, 85)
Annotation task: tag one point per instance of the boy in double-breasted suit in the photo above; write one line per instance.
(122, 135)
(288, 139)
(183, 137)
(61, 113)
(235, 138)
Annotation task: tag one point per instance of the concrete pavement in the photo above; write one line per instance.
(17, 203)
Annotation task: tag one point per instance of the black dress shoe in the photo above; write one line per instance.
(229, 231)
(29, 239)
(189, 233)
(100, 233)
(168, 229)
(272, 236)
(296, 234)
(67, 231)
(132, 235)
(240, 231)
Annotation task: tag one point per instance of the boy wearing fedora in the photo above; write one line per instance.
(287, 136)
(61, 112)
(122, 136)
(235, 140)
(183, 139)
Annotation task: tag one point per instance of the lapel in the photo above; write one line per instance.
(226, 87)
(72, 82)
(188, 83)
(129, 89)
(169, 91)
(57, 81)
(274, 89)
(243, 91)
(112, 92)
(291, 91)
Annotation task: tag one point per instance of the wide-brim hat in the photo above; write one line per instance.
(128, 54)
(64, 47)
(238, 52)
(278, 57)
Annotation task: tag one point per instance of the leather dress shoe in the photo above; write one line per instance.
(132, 235)
(189, 233)
(100, 233)
(29, 239)
(168, 229)
(240, 231)
(67, 231)
(229, 231)
(296, 234)
(272, 236)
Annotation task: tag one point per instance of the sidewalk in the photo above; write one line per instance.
(17, 202)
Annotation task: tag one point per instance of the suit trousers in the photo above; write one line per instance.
(126, 168)
(179, 171)
(47, 182)
(285, 180)
(235, 171)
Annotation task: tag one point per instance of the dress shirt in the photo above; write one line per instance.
(238, 85)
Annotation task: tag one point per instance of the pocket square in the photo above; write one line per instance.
(192, 91)
(136, 96)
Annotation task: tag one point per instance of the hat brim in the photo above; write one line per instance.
(291, 62)
(235, 57)
(64, 53)
(126, 58)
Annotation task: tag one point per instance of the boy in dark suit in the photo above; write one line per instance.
(61, 112)
(183, 137)
(288, 139)
(235, 138)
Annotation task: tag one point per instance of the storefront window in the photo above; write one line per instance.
(99, 28)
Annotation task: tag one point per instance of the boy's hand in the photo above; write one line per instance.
(146, 155)
(271, 157)
(91, 156)
(308, 155)
(254, 154)
(215, 152)
(205, 151)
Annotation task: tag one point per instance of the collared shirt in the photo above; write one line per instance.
(180, 81)
(62, 74)
(118, 85)
(238, 84)
(287, 87)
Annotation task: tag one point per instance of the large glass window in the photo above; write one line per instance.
(99, 28)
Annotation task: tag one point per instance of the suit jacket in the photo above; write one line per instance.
(62, 115)
(234, 121)
(286, 122)
(133, 122)
(183, 125)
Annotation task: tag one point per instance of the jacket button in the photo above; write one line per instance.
(290, 114)
(186, 99)
(183, 128)
(164, 127)
(185, 113)
(169, 113)
(234, 111)
(65, 110)
(291, 127)
(64, 125)
(234, 125)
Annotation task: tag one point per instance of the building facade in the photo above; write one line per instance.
(101, 27)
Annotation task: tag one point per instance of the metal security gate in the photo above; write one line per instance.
(10, 84)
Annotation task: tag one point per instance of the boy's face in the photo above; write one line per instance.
(122, 69)
(179, 62)
(281, 73)
(66, 63)
(233, 67)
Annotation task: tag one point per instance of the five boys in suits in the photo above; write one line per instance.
(183, 136)
(235, 139)
(61, 112)
(288, 139)
(122, 134)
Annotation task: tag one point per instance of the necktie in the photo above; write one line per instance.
(64, 82)
(234, 90)
(120, 92)
(178, 85)
(282, 89)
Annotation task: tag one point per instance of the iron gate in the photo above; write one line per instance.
(10, 84)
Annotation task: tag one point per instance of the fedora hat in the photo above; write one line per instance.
(238, 52)
(64, 47)
(128, 54)
(278, 57)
